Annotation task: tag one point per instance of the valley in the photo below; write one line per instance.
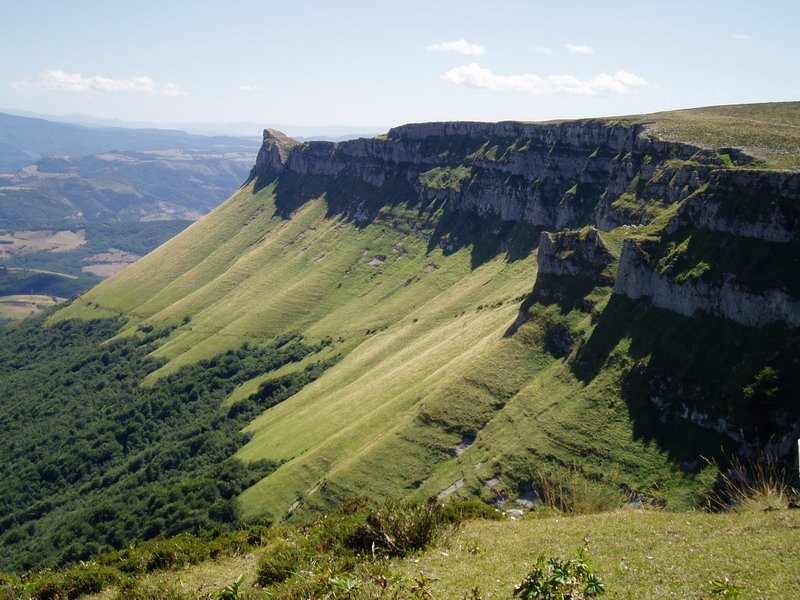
(85, 202)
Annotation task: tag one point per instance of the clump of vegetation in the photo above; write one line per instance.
(464, 510)
(557, 579)
(763, 483)
(399, 529)
(724, 588)
(575, 493)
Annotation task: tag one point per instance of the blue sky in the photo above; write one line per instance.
(378, 64)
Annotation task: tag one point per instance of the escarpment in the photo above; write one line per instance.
(688, 296)
(567, 175)
(548, 175)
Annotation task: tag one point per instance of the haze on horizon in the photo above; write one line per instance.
(362, 65)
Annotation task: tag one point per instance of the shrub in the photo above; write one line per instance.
(463, 510)
(258, 535)
(87, 578)
(556, 579)
(400, 528)
(280, 561)
(8, 585)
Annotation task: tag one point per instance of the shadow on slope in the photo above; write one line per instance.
(362, 204)
(674, 370)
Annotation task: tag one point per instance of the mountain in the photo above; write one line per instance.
(241, 129)
(480, 310)
(26, 140)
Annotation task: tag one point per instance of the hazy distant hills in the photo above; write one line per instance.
(82, 202)
(25, 140)
(333, 133)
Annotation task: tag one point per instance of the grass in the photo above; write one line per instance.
(14, 308)
(637, 553)
(770, 132)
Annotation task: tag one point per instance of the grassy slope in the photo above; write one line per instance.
(425, 359)
(770, 132)
(639, 554)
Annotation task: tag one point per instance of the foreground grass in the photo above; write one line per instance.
(637, 553)
(640, 554)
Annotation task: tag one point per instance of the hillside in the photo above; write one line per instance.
(485, 310)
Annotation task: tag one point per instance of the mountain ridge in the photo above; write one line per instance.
(478, 202)
(456, 298)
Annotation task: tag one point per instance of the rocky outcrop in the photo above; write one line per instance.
(549, 175)
(274, 151)
(575, 253)
(762, 205)
(638, 279)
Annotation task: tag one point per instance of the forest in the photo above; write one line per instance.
(93, 460)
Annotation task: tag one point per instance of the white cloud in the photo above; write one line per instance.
(473, 75)
(742, 37)
(250, 88)
(75, 82)
(461, 46)
(541, 50)
(578, 49)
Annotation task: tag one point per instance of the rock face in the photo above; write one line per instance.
(549, 175)
(575, 253)
(568, 175)
(637, 279)
(755, 204)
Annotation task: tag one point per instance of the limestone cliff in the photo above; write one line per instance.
(550, 175)
(728, 299)
(575, 253)
(566, 175)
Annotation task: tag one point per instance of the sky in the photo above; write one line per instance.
(378, 64)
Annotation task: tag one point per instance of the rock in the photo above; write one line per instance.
(450, 489)
(515, 514)
(581, 253)
(549, 175)
(637, 279)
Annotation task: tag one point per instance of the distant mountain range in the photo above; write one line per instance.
(245, 129)
(24, 140)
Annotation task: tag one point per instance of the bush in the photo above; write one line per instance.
(556, 579)
(280, 561)
(88, 578)
(400, 528)
(8, 585)
(464, 510)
